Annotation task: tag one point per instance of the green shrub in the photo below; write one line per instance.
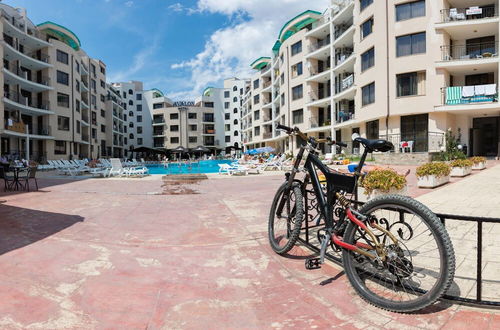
(461, 163)
(384, 180)
(437, 169)
(451, 147)
(477, 160)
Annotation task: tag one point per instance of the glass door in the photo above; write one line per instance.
(416, 128)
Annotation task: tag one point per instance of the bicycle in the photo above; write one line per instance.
(395, 251)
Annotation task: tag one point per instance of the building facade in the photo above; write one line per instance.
(54, 94)
(406, 71)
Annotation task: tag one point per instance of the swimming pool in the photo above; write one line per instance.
(203, 166)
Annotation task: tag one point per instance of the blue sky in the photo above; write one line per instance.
(177, 46)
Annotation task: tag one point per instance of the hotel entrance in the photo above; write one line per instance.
(485, 136)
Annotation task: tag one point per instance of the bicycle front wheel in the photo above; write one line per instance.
(284, 227)
(412, 273)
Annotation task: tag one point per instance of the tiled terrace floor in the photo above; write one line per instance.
(121, 254)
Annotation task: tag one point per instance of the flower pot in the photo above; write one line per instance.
(479, 166)
(432, 181)
(392, 191)
(460, 171)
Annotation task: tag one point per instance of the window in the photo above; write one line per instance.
(235, 133)
(77, 66)
(103, 84)
(93, 100)
(94, 133)
(228, 138)
(227, 116)
(103, 128)
(139, 140)
(139, 107)
(193, 139)
(103, 70)
(131, 136)
(60, 147)
(93, 84)
(77, 106)
(193, 127)
(297, 70)
(78, 126)
(174, 139)
(235, 122)
(282, 79)
(298, 116)
(368, 94)
(256, 99)
(130, 102)
(227, 127)
(256, 115)
(283, 99)
(63, 100)
(412, 83)
(257, 130)
(157, 105)
(63, 123)
(367, 28)
(410, 10)
(256, 84)
(103, 113)
(138, 97)
(62, 78)
(92, 68)
(364, 3)
(103, 98)
(139, 119)
(296, 48)
(410, 44)
(297, 92)
(62, 56)
(235, 110)
(174, 116)
(139, 129)
(372, 130)
(192, 115)
(130, 92)
(77, 86)
(235, 99)
(226, 94)
(226, 105)
(209, 104)
(235, 88)
(368, 59)
(174, 128)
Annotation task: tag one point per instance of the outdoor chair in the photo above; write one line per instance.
(30, 175)
(7, 179)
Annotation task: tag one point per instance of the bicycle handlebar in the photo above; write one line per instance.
(296, 130)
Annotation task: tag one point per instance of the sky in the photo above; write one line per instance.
(179, 47)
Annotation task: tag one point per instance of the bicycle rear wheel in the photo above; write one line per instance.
(416, 271)
(284, 229)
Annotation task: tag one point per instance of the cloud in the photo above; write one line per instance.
(129, 3)
(140, 60)
(177, 7)
(253, 29)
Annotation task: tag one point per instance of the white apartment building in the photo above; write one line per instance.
(138, 116)
(54, 94)
(406, 71)
(227, 103)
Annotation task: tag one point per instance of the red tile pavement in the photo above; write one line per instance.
(120, 254)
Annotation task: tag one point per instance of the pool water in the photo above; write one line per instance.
(203, 166)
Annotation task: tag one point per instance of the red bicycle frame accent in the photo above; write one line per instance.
(340, 242)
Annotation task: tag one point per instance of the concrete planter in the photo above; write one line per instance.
(479, 166)
(460, 171)
(431, 181)
(392, 191)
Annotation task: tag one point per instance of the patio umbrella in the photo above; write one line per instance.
(264, 150)
(200, 149)
(179, 150)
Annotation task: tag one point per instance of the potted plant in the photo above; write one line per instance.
(478, 163)
(461, 167)
(384, 181)
(433, 174)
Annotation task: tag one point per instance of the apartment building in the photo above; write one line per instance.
(227, 103)
(406, 71)
(54, 94)
(137, 116)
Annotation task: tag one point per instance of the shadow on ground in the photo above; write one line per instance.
(20, 227)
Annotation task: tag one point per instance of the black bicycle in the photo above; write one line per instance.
(395, 251)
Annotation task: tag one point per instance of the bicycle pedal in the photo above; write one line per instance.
(313, 263)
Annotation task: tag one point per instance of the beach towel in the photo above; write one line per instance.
(453, 95)
(467, 91)
(490, 89)
(479, 90)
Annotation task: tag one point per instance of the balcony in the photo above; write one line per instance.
(318, 45)
(209, 131)
(320, 75)
(470, 97)
(468, 14)
(479, 51)
(267, 135)
(345, 89)
(344, 35)
(319, 50)
(16, 28)
(22, 78)
(18, 129)
(344, 116)
(319, 124)
(208, 119)
(158, 121)
(318, 98)
(24, 104)
(31, 60)
(430, 142)
(85, 138)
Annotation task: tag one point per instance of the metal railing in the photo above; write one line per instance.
(342, 116)
(314, 70)
(345, 83)
(43, 80)
(23, 100)
(341, 29)
(267, 135)
(342, 57)
(471, 51)
(266, 84)
(430, 142)
(455, 95)
(318, 45)
(20, 25)
(316, 95)
(315, 123)
(464, 14)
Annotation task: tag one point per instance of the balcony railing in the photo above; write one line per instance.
(471, 51)
(469, 94)
(416, 142)
(18, 98)
(19, 24)
(340, 29)
(315, 95)
(23, 50)
(315, 122)
(208, 119)
(267, 135)
(42, 80)
(342, 57)
(209, 131)
(345, 84)
(85, 138)
(342, 116)
(314, 70)
(465, 14)
(158, 121)
(266, 84)
(319, 44)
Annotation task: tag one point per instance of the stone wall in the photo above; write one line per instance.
(408, 158)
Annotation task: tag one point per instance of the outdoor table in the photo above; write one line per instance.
(16, 170)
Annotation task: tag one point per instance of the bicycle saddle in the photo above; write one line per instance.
(375, 145)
